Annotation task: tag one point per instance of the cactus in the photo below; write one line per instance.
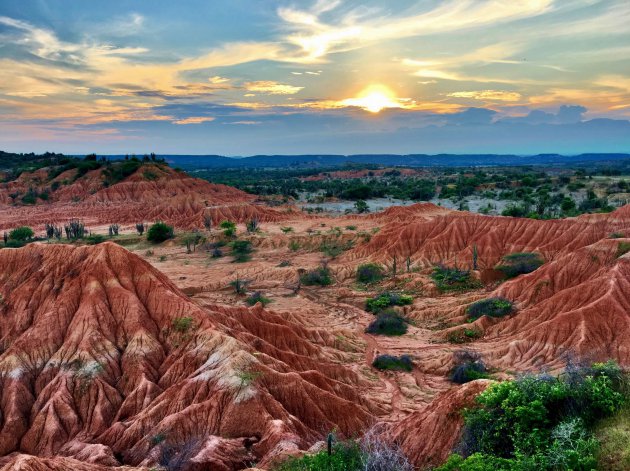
(408, 262)
(252, 226)
(394, 266)
(474, 257)
(113, 230)
(75, 229)
(140, 227)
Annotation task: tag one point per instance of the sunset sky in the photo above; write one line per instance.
(237, 77)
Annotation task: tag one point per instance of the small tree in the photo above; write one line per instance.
(239, 285)
(140, 227)
(241, 250)
(252, 225)
(361, 207)
(159, 232)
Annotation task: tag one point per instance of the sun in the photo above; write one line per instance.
(374, 99)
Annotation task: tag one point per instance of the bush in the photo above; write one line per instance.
(241, 250)
(491, 307)
(387, 299)
(468, 366)
(345, 457)
(94, 239)
(387, 323)
(391, 362)
(21, 234)
(319, 276)
(623, 248)
(229, 228)
(369, 273)
(519, 263)
(452, 279)
(182, 324)
(539, 421)
(257, 297)
(159, 232)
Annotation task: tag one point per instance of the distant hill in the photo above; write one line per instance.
(191, 162)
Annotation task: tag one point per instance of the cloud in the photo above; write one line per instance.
(194, 120)
(488, 95)
(472, 116)
(272, 88)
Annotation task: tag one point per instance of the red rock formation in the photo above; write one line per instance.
(104, 360)
(428, 436)
(168, 195)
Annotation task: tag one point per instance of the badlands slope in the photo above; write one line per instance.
(142, 355)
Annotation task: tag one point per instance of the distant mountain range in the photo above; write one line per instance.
(192, 162)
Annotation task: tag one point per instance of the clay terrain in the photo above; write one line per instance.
(134, 355)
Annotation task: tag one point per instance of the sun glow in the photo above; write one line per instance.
(374, 99)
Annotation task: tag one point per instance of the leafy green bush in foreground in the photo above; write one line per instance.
(519, 263)
(387, 299)
(391, 362)
(159, 232)
(492, 307)
(540, 422)
(387, 323)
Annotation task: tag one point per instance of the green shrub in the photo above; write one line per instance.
(345, 457)
(468, 366)
(241, 250)
(182, 324)
(463, 335)
(391, 362)
(452, 279)
(519, 263)
(94, 239)
(370, 273)
(294, 246)
(229, 228)
(387, 323)
(257, 297)
(159, 232)
(491, 307)
(387, 299)
(540, 422)
(319, 276)
(21, 234)
(334, 248)
(623, 248)
(14, 244)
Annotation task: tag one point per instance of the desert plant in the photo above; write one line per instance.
(241, 250)
(491, 307)
(319, 276)
(75, 229)
(191, 241)
(387, 299)
(369, 273)
(392, 362)
(216, 253)
(387, 323)
(252, 225)
(379, 455)
(475, 256)
(113, 229)
(463, 335)
(334, 248)
(467, 366)
(182, 324)
(159, 232)
(257, 297)
(140, 227)
(229, 228)
(519, 263)
(623, 248)
(286, 230)
(207, 222)
(239, 285)
(176, 457)
(294, 245)
(21, 234)
(452, 279)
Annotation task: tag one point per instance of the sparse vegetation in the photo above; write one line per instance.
(387, 299)
(393, 363)
(370, 273)
(623, 248)
(241, 250)
(453, 279)
(229, 228)
(491, 307)
(239, 285)
(140, 227)
(75, 229)
(94, 239)
(182, 324)
(319, 276)
(257, 297)
(160, 232)
(387, 323)
(519, 263)
(252, 226)
(468, 366)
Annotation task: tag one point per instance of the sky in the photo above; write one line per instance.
(246, 77)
